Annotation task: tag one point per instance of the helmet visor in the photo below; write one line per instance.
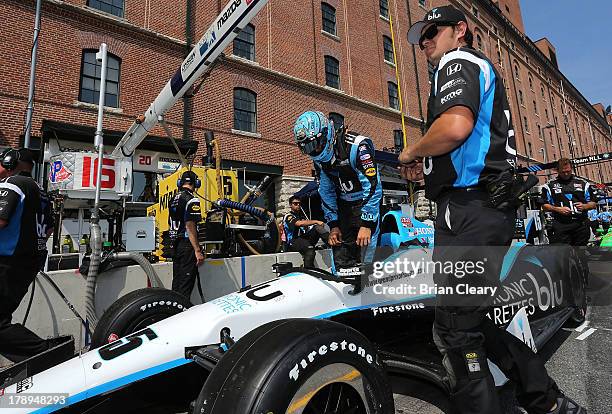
(313, 146)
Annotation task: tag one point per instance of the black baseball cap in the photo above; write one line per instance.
(26, 155)
(444, 14)
(189, 177)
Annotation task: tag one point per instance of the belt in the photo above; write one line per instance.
(453, 190)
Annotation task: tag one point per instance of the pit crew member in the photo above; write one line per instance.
(302, 234)
(569, 198)
(469, 152)
(185, 214)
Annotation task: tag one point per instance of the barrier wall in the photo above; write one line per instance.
(50, 316)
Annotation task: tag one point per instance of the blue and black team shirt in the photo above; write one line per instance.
(466, 77)
(291, 230)
(19, 204)
(184, 207)
(566, 193)
(354, 180)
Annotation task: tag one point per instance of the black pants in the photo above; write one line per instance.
(16, 341)
(466, 229)
(348, 253)
(184, 267)
(575, 233)
(305, 245)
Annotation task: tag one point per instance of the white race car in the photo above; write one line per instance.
(305, 342)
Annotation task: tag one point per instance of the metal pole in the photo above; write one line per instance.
(30, 107)
(96, 239)
(99, 140)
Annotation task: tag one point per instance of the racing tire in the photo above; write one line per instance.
(295, 366)
(137, 310)
(579, 276)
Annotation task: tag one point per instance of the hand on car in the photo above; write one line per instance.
(363, 237)
(335, 237)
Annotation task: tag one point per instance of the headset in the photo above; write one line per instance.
(180, 182)
(9, 158)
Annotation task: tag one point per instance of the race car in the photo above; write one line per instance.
(307, 341)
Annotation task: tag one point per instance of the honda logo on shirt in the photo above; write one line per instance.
(454, 68)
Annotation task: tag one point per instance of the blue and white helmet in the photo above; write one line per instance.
(315, 136)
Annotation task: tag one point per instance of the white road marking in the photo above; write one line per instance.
(586, 334)
(581, 327)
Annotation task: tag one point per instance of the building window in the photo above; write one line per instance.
(499, 56)
(546, 113)
(512, 46)
(384, 8)
(535, 106)
(91, 72)
(526, 124)
(245, 110)
(337, 119)
(542, 92)
(517, 74)
(475, 11)
(530, 149)
(244, 43)
(393, 96)
(521, 98)
(398, 140)
(507, 9)
(540, 135)
(109, 6)
(329, 18)
(479, 42)
(422, 3)
(388, 49)
(332, 72)
(530, 82)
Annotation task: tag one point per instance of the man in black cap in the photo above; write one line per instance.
(185, 214)
(467, 158)
(19, 205)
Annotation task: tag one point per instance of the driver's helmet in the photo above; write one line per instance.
(315, 135)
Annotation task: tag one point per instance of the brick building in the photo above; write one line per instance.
(336, 56)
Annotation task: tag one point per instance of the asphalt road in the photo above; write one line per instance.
(579, 360)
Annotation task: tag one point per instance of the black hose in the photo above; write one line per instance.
(27, 312)
(260, 214)
(66, 301)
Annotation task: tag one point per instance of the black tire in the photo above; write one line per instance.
(579, 276)
(137, 310)
(298, 362)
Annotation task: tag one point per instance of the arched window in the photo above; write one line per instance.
(245, 110)
(244, 43)
(393, 95)
(337, 119)
(388, 49)
(332, 72)
(517, 74)
(328, 15)
(521, 101)
(479, 43)
(530, 82)
(384, 8)
(91, 72)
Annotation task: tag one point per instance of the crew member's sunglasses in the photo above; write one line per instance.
(432, 32)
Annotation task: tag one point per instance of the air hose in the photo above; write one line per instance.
(255, 212)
